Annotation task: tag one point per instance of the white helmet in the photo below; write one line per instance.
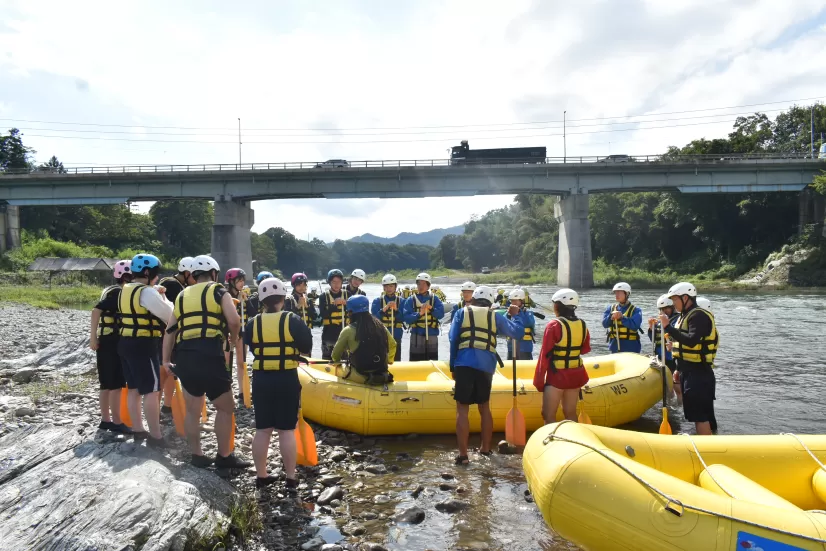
(664, 302)
(435, 287)
(568, 297)
(682, 288)
(423, 277)
(517, 294)
(407, 287)
(185, 265)
(271, 287)
(483, 292)
(468, 286)
(703, 303)
(359, 274)
(202, 263)
(622, 286)
(388, 279)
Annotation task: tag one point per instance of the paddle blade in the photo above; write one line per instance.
(232, 435)
(204, 416)
(665, 427)
(178, 409)
(247, 388)
(124, 407)
(305, 444)
(515, 428)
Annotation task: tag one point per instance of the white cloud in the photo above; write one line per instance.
(357, 65)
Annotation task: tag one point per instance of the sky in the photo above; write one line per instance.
(115, 83)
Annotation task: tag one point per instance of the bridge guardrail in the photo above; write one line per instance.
(316, 165)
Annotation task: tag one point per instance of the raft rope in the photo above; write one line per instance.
(805, 447)
(703, 463)
(672, 500)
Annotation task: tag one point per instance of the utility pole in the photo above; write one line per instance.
(239, 143)
(564, 137)
(812, 149)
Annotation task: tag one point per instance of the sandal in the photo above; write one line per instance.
(487, 453)
(462, 460)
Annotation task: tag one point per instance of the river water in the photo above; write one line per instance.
(769, 380)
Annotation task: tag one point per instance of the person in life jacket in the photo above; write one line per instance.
(665, 306)
(353, 287)
(524, 346)
(560, 372)
(694, 348)
(625, 318)
(473, 360)
(313, 294)
(436, 290)
(501, 297)
(103, 339)
(406, 292)
(333, 315)
(204, 316)
(175, 284)
(467, 295)
(301, 305)
(235, 283)
(142, 311)
(254, 302)
(423, 312)
(704, 303)
(275, 338)
(388, 309)
(368, 344)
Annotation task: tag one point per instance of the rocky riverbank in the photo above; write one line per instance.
(85, 487)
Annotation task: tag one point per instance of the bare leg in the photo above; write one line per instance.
(114, 406)
(462, 427)
(703, 428)
(192, 424)
(103, 400)
(287, 446)
(261, 449)
(152, 407)
(135, 405)
(487, 426)
(569, 400)
(551, 397)
(225, 404)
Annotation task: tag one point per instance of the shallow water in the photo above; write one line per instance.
(769, 380)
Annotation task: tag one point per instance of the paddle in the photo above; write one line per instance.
(124, 407)
(204, 416)
(426, 331)
(515, 421)
(246, 388)
(616, 335)
(307, 454)
(178, 409)
(583, 418)
(665, 427)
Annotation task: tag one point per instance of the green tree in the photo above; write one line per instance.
(263, 252)
(183, 227)
(13, 154)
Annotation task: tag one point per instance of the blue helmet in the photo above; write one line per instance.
(262, 276)
(358, 304)
(334, 273)
(142, 261)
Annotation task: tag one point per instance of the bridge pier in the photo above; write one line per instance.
(9, 227)
(231, 244)
(575, 266)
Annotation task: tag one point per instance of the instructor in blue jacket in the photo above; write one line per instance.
(623, 320)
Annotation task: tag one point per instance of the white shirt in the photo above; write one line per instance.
(156, 303)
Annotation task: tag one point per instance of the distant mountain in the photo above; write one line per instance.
(430, 238)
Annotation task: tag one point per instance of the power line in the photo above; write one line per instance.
(411, 127)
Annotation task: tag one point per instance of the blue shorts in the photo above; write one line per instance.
(141, 360)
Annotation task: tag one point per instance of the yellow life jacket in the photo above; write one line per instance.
(431, 321)
(108, 323)
(706, 350)
(135, 320)
(625, 333)
(292, 306)
(199, 315)
(528, 334)
(334, 317)
(478, 329)
(566, 353)
(406, 293)
(272, 343)
(396, 317)
(658, 330)
(176, 290)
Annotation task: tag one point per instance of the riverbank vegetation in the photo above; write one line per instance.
(41, 296)
(645, 238)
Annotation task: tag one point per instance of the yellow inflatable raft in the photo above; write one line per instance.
(605, 488)
(622, 388)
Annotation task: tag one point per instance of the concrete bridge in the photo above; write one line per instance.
(233, 187)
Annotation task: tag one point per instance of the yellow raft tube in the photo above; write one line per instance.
(605, 488)
(622, 387)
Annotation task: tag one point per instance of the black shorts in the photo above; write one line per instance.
(277, 397)
(423, 349)
(110, 371)
(203, 369)
(472, 385)
(698, 385)
(141, 360)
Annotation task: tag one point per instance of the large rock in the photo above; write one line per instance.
(413, 515)
(24, 375)
(71, 356)
(61, 494)
(451, 505)
(328, 495)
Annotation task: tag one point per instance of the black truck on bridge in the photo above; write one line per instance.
(464, 155)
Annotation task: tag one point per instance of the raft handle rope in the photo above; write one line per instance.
(703, 463)
(671, 500)
(805, 447)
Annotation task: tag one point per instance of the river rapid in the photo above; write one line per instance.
(769, 380)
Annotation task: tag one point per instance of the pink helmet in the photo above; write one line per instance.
(233, 274)
(123, 267)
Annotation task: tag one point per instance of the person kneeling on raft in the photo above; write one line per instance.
(203, 314)
(276, 338)
(473, 360)
(369, 343)
(560, 372)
